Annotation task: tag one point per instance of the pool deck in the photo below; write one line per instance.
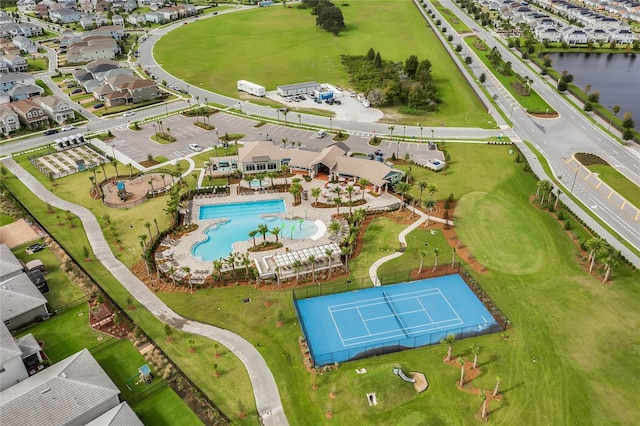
(181, 248)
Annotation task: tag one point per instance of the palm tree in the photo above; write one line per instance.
(546, 187)
(285, 141)
(148, 226)
(349, 190)
(114, 163)
(450, 340)
(338, 202)
(231, 261)
(429, 204)
(164, 183)
(422, 256)
(335, 228)
(422, 186)
(276, 231)
(252, 234)
(436, 251)
(363, 183)
(217, 267)
(483, 398)
(262, 230)
(609, 263)
(329, 253)
(453, 259)
(284, 169)
(157, 228)
(143, 241)
(555, 205)
(272, 175)
(295, 189)
(460, 362)
(315, 193)
(172, 271)
(285, 112)
(152, 190)
(498, 380)
(475, 350)
(432, 189)
(312, 261)
(245, 261)
(187, 270)
(595, 245)
(402, 188)
(297, 265)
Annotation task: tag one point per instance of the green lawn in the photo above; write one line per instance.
(5, 219)
(165, 408)
(564, 322)
(618, 182)
(451, 18)
(62, 291)
(281, 45)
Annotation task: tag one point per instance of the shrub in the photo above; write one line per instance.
(567, 225)
(560, 215)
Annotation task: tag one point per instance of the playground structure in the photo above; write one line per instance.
(121, 192)
(144, 376)
(419, 380)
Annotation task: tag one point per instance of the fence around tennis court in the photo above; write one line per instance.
(367, 351)
(501, 322)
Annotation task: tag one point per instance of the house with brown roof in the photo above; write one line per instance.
(56, 109)
(31, 114)
(334, 162)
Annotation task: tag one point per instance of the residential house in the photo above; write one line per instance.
(24, 91)
(64, 16)
(4, 68)
(137, 19)
(574, 35)
(26, 5)
(122, 415)
(12, 369)
(31, 114)
(101, 65)
(32, 355)
(114, 31)
(56, 109)
(130, 5)
(622, 36)
(74, 391)
(21, 303)
(25, 45)
(7, 81)
(16, 63)
(92, 48)
(544, 33)
(88, 21)
(42, 10)
(26, 29)
(155, 17)
(9, 121)
(117, 20)
(169, 13)
(102, 6)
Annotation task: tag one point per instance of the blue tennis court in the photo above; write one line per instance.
(357, 324)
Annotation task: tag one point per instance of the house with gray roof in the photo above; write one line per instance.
(122, 415)
(21, 303)
(64, 16)
(24, 91)
(12, 369)
(56, 109)
(9, 120)
(74, 391)
(16, 63)
(24, 44)
(11, 265)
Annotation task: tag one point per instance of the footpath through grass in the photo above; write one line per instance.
(283, 46)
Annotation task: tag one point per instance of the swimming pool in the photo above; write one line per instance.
(243, 218)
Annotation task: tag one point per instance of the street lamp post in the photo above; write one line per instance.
(404, 132)
(431, 135)
(155, 131)
(330, 124)
(278, 112)
(511, 111)
(420, 132)
(574, 178)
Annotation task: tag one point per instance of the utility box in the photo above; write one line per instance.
(251, 88)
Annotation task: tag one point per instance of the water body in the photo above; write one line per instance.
(616, 77)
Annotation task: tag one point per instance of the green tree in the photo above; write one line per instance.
(252, 235)
(371, 54)
(263, 229)
(330, 19)
(429, 205)
(460, 362)
(595, 245)
(498, 380)
(410, 66)
(377, 61)
(450, 340)
(297, 265)
(276, 232)
(475, 350)
(402, 189)
(315, 193)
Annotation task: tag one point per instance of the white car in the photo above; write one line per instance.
(195, 147)
(128, 114)
(67, 128)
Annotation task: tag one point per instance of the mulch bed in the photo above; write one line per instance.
(98, 311)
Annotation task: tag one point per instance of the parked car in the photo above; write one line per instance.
(338, 102)
(321, 134)
(195, 147)
(72, 84)
(330, 101)
(128, 114)
(50, 132)
(34, 248)
(98, 105)
(67, 128)
(302, 97)
(76, 91)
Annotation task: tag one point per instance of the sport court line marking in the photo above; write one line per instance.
(447, 300)
(423, 327)
(335, 324)
(363, 303)
(363, 322)
(425, 309)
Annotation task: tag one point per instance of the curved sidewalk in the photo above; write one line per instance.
(264, 386)
(402, 237)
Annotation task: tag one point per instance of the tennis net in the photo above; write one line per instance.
(395, 314)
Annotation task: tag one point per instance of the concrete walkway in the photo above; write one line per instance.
(373, 270)
(264, 385)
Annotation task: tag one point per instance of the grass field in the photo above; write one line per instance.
(5, 220)
(564, 322)
(281, 46)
